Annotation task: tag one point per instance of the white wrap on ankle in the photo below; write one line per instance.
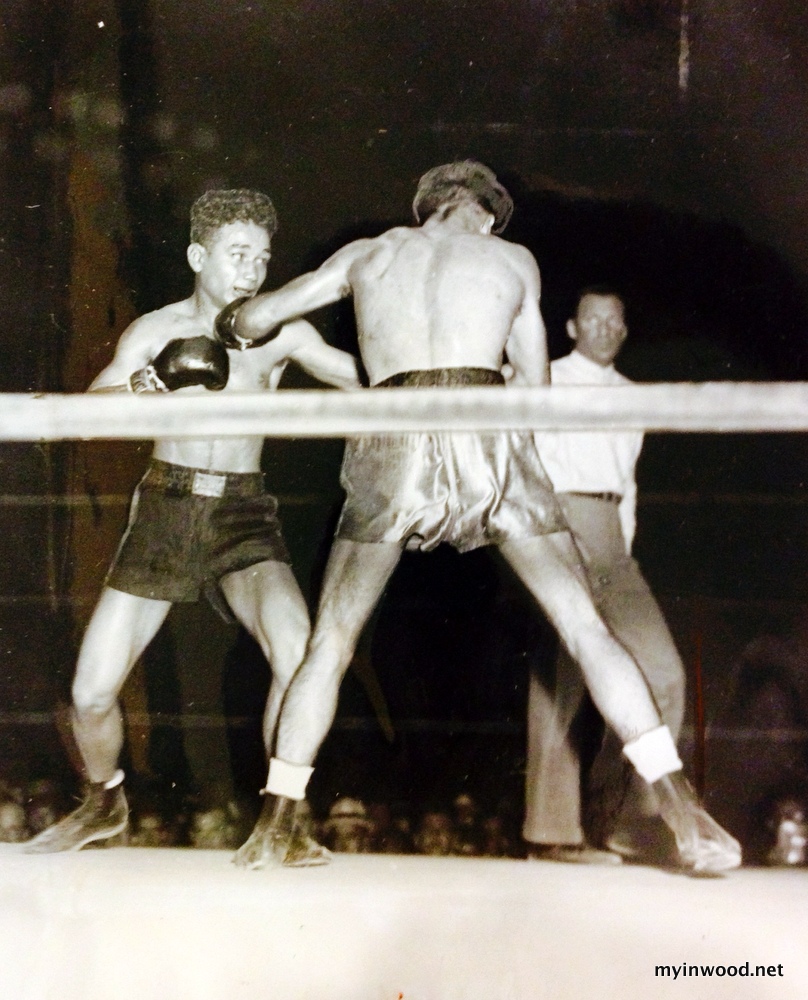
(115, 780)
(653, 754)
(287, 779)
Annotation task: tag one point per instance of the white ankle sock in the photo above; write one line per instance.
(287, 779)
(653, 754)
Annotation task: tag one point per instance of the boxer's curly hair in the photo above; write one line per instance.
(218, 208)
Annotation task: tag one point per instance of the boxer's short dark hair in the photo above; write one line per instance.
(452, 182)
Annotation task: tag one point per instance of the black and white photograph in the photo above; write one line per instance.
(403, 417)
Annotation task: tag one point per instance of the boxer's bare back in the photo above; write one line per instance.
(427, 298)
(439, 296)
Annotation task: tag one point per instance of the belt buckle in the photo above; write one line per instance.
(207, 484)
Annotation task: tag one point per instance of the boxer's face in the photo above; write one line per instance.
(234, 262)
(598, 328)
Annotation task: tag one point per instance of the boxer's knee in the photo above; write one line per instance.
(285, 647)
(91, 698)
(330, 652)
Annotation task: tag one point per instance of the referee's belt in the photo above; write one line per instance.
(608, 497)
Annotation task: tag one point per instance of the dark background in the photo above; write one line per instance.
(664, 153)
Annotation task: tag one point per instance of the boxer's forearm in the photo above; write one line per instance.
(259, 315)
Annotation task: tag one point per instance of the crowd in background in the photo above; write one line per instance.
(213, 821)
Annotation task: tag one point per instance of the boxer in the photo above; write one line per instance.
(201, 521)
(442, 304)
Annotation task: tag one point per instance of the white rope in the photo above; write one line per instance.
(681, 406)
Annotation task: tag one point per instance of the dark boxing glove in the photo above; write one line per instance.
(192, 361)
(225, 328)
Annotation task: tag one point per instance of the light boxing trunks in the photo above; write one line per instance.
(190, 527)
(467, 489)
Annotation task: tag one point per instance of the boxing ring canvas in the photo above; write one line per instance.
(142, 924)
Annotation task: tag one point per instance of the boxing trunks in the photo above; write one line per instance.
(467, 489)
(190, 527)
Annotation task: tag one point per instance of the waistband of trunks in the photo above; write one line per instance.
(438, 377)
(608, 497)
(202, 482)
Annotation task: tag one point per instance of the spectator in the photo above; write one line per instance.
(348, 828)
(43, 805)
(392, 829)
(13, 824)
(790, 832)
(495, 841)
(214, 829)
(435, 834)
(149, 829)
(766, 704)
(468, 834)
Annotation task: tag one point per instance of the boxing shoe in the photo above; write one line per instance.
(644, 840)
(572, 854)
(704, 847)
(281, 837)
(103, 814)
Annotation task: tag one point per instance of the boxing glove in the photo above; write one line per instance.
(184, 362)
(225, 328)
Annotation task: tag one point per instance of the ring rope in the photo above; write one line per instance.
(709, 407)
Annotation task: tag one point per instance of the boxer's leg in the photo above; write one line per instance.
(267, 600)
(355, 577)
(121, 627)
(629, 610)
(551, 569)
(636, 620)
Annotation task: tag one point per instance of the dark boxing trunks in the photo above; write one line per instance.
(466, 489)
(190, 527)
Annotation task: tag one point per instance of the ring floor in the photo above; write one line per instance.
(170, 924)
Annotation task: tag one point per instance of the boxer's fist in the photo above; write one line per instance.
(191, 361)
(225, 328)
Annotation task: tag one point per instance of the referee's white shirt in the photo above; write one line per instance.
(592, 461)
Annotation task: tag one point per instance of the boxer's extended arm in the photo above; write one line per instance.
(251, 322)
(311, 352)
(526, 347)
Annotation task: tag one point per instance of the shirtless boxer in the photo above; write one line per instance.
(440, 305)
(201, 521)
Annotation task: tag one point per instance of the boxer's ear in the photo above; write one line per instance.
(196, 254)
